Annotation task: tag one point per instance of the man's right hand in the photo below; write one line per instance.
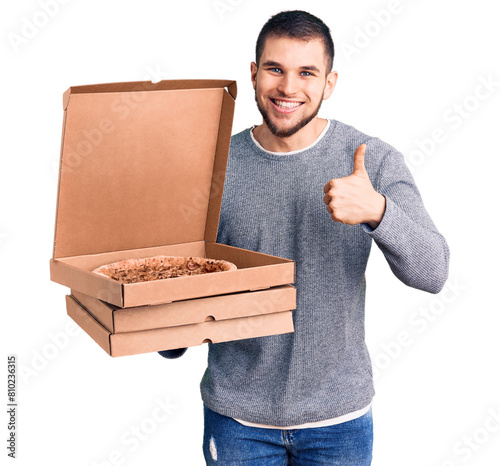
(173, 353)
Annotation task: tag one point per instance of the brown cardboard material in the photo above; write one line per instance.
(255, 271)
(191, 311)
(129, 343)
(141, 174)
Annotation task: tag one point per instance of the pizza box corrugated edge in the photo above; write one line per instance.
(147, 341)
(190, 311)
(256, 270)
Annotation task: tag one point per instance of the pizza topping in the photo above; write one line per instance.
(161, 267)
(192, 265)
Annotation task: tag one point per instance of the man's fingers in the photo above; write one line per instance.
(359, 160)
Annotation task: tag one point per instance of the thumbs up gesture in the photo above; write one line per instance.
(352, 199)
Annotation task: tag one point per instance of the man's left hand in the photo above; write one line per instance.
(352, 199)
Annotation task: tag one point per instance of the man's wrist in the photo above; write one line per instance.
(377, 211)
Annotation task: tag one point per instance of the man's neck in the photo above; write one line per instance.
(300, 140)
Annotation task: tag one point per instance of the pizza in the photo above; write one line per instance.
(161, 267)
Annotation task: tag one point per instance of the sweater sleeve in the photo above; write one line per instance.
(416, 252)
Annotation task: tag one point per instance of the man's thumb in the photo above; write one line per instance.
(359, 160)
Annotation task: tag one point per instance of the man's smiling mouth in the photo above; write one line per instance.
(285, 104)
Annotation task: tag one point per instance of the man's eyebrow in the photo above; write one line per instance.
(310, 68)
(278, 65)
(271, 63)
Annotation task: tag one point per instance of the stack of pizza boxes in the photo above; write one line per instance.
(141, 175)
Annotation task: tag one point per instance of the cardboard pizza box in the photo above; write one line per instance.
(145, 341)
(141, 174)
(190, 311)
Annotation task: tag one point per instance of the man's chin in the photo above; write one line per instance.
(283, 133)
(286, 131)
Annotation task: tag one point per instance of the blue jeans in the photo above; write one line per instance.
(226, 442)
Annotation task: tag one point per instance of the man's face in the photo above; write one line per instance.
(290, 83)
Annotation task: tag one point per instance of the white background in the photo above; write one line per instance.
(403, 77)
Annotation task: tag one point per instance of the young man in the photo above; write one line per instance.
(305, 397)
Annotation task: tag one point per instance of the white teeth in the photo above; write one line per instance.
(283, 104)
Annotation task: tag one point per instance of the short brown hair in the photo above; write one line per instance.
(296, 24)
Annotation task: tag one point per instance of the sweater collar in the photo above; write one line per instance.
(325, 130)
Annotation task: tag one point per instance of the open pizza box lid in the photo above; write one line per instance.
(142, 173)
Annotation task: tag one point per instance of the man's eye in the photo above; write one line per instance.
(275, 70)
(306, 73)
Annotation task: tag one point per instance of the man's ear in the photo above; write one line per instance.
(331, 81)
(253, 73)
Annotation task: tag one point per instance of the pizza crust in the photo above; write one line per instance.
(161, 267)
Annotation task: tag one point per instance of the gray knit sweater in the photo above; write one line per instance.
(274, 204)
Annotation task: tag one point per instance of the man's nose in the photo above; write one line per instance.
(288, 85)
